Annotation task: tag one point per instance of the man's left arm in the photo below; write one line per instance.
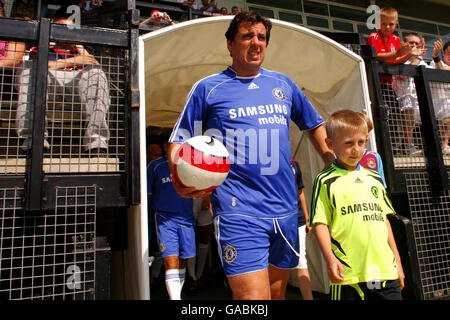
(317, 137)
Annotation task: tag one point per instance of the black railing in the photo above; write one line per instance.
(418, 177)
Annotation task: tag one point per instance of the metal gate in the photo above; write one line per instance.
(417, 178)
(52, 243)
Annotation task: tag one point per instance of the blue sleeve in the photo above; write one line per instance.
(303, 113)
(380, 169)
(193, 115)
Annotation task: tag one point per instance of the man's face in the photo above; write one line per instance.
(387, 25)
(248, 48)
(446, 56)
(414, 41)
(157, 19)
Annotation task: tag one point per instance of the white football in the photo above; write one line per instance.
(202, 162)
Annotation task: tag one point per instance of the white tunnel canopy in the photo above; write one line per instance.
(173, 58)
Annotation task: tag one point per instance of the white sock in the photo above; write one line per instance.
(173, 284)
(191, 268)
(202, 254)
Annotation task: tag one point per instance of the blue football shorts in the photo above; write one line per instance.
(175, 239)
(247, 244)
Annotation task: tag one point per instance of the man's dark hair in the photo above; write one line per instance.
(415, 34)
(445, 46)
(250, 16)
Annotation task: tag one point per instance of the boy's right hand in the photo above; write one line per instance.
(403, 49)
(335, 271)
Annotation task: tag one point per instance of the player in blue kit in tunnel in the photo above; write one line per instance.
(174, 217)
(255, 209)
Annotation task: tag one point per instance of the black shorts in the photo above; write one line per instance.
(373, 290)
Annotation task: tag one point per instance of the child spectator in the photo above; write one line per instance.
(389, 48)
(388, 45)
(371, 159)
(349, 213)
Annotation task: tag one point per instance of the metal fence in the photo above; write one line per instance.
(80, 104)
(66, 152)
(48, 256)
(410, 106)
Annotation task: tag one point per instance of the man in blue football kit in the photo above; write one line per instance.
(255, 209)
(175, 224)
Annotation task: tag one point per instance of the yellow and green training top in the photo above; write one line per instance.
(354, 205)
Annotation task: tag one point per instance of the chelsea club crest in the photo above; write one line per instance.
(279, 94)
(229, 254)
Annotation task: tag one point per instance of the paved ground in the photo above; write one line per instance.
(213, 287)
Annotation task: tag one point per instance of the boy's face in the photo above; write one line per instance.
(348, 146)
(387, 25)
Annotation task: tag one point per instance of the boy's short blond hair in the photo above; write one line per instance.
(368, 121)
(389, 12)
(341, 119)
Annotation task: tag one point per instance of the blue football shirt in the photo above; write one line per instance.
(165, 200)
(251, 116)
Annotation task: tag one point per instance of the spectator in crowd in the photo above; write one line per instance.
(87, 5)
(25, 9)
(405, 91)
(388, 45)
(157, 18)
(234, 10)
(210, 6)
(188, 3)
(389, 48)
(441, 93)
(438, 63)
(11, 52)
(224, 11)
(73, 74)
